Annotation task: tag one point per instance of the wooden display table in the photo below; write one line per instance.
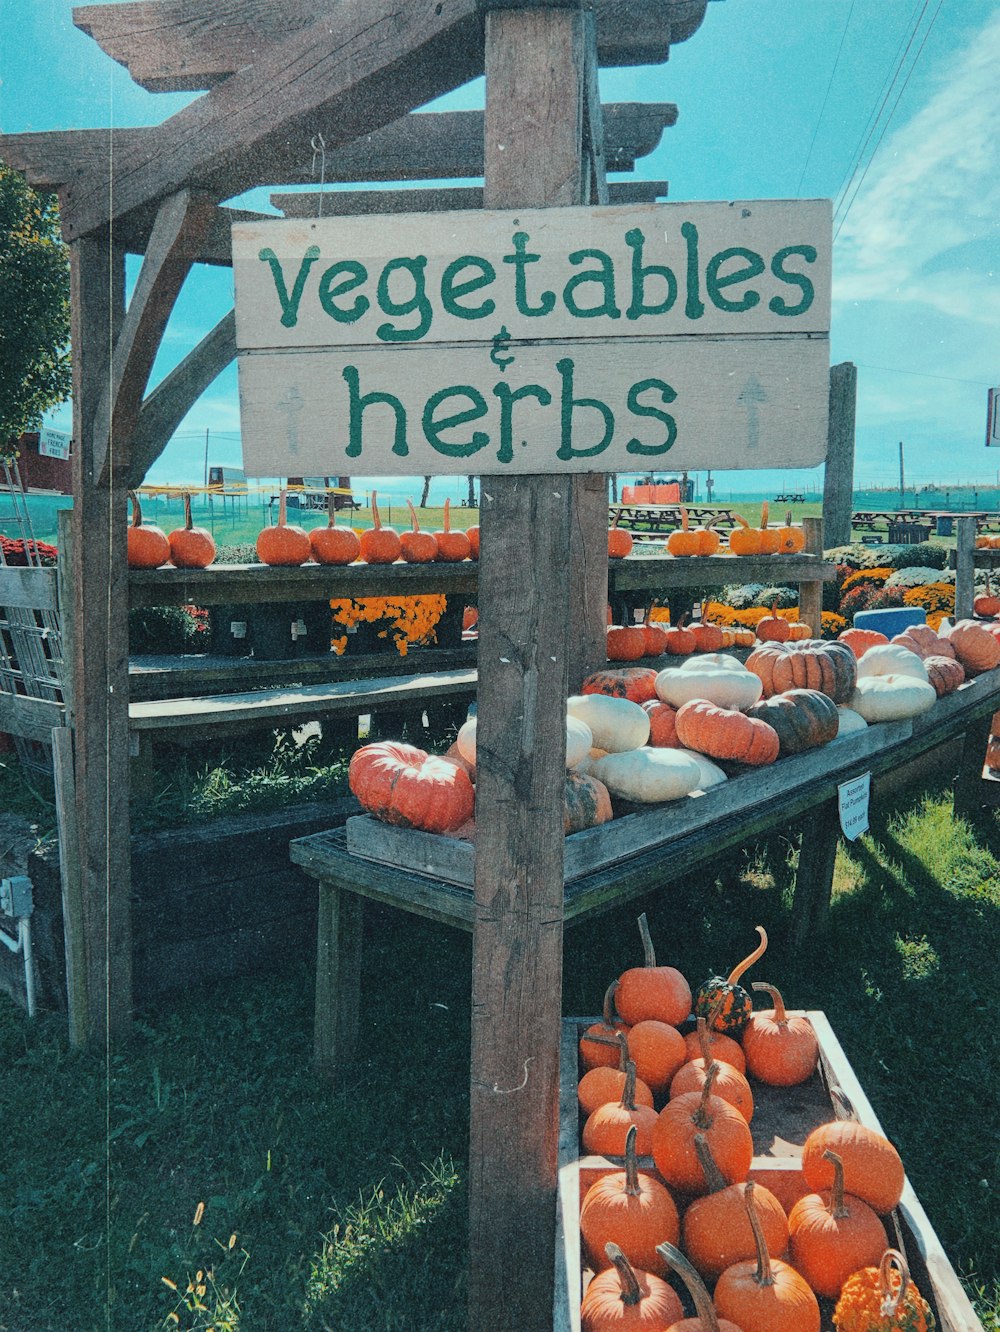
(430, 876)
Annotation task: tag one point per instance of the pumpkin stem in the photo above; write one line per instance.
(631, 1290)
(703, 1041)
(763, 515)
(632, 1186)
(447, 515)
(331, 509)
(892, 1299)
(684, 520)
(188, 523)
(758, 952)
(628, 1091)
(837, 1208)
(614, 521)
(701, 1117)
(282, 507)
(763, 1276)
(376, 520)
(788, 518)
(136, 509)
(648, 953)
(780, 1016)
(714, 1177)
(414, 525)
(704, 1307)
(609, 1011)
(741, 520)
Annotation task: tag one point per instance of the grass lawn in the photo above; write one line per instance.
(201, 1177)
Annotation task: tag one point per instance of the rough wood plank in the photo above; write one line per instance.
(655, 574)
(28, 588)
(351, 203)
(100, 651)
(338, 981)
(181, 223)
(838, 479)
(30, 718)
(278, 705)
(180, 46)
(64, 593)
(359, 66)
(811, 591)
(965, 571)
(535, 92)
(164, 409)
(428, 145)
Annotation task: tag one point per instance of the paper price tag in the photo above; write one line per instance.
(852, 801)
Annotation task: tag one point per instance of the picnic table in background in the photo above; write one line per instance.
(662, 519)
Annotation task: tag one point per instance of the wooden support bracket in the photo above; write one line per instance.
(181, 224)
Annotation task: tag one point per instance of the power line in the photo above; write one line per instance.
(826, 96)
(921, 374)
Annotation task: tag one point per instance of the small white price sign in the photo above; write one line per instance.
(852, 800)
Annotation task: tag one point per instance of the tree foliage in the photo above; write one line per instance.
(34, 308)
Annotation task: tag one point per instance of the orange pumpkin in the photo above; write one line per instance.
(799, 631)
(333, 544)
(860, 640)
(944, 673)
(791, 540)
(655, 636)
(725, 1129)
(284, 544)
(975, 647)
(404, 785)
(148, 546)
(873, 1170)
(620, 541)
(679, 641)
(604, 1086)
(730, 1085)
(633, 682)
(767, 1295)
(832, 1234)
(716, 1228)
(882, 1299)
(662, 724)
(635, 1211)
(744, 539)
(607, 1127)
(191, 547)
(780, 1051)
(650, 991)
(722, 1048)
(623, 1299)
(473, 534)
(832, 668)
(598, 1044)
(657, 1049)
(723, 733)
(453, 546)
(986, 604)
(684, 542)
(415, 546)
(770, 541)
(379, 545)
(626, 642)
(772, 628)
(708, 637)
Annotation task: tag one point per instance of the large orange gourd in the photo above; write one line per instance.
(767, 1295)
(636, 1211)
(833, 1234)
(723, 733)
(284, 544)
(652, 991)
(404, 785)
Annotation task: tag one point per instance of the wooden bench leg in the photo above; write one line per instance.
(814, 877)
(338, 980)
(969, 778)
(140, 768)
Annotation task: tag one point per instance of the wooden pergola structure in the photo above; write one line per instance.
(273, 75)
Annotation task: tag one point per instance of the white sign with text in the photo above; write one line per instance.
(853, 799)
(564, 339)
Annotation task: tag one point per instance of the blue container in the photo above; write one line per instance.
(892, 620)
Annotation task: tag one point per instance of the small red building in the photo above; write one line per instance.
(44, 461)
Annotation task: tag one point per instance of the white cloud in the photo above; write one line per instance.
(932, 189)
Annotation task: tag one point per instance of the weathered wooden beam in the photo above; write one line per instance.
(181, 224)
(175, 395)
(428, 145)
(360, 66)
(100, 652)
(358, 203)
(838, 476)
(181, 46)
(535, 96)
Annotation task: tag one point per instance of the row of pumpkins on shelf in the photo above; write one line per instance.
(644, 736)
(287, 545)
(686, 1101)
(744, 539)
(633, 642)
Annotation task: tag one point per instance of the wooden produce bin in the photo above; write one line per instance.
(783, 1118)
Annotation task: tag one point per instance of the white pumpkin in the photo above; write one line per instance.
(892, 697)
(729, 686)
(891, 659)
(649, 775)
(578, 741)
(849, 722)
(711, 773)
(616, 724)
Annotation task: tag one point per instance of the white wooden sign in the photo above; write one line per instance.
(564, 339)
(53, 443)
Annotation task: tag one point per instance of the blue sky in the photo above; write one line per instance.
(777, 100)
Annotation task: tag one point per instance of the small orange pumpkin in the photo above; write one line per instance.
(379, 545)
(730, 1085)
(333, 544)
(873, 1170)
(679, 640)
(780, 1051)
(599, 1044)
(284, 544)
(744, 539)
(770, 539)
(769, 1295)
(683, 542)
(148, 546)
(773, 629)
(473, 534)
(716, 1228)
(191, 547)
(623, 1298)
(607, 1127)
(986, 604)
(604, 1085)
(708, 637)
(791, 540)
(662, 724)
(415, 546)
(832, 1234)
(626, 642)
(650, 991)
(634, 1210)
(620, 541)
(453, 545)
(672, 1140)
